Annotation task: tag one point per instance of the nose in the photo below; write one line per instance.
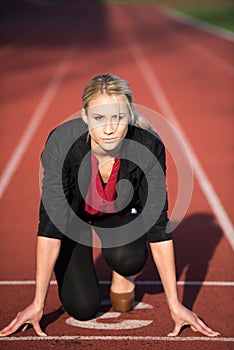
(109, 128)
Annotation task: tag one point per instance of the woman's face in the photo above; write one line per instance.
(107, 118)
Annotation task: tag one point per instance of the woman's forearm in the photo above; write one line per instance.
(163, 255)
(47, 253)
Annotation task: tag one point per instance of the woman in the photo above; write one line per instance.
(90, 159)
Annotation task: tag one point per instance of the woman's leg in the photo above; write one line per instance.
(125, 261)
(129, 259)
(77, 281)
(122, 284)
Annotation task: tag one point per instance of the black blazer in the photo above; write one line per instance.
(66, 164)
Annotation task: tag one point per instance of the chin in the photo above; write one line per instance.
(109, 146)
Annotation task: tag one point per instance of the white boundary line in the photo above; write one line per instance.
(103, 337)
(35, 120)
(160, 98)
(139, 283)
(197, 23)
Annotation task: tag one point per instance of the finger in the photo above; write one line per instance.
(175, 332)
(209, 333)
(8, 326)
(203, 327)
(38, 330)
(25, 327)
(194, 329)
(202, 323)
(200, 326)
(9, 330)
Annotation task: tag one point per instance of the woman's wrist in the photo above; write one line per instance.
(173, 302)
(38, 302)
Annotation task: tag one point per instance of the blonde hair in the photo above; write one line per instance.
(111, 84)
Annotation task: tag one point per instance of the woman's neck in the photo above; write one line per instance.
(103, 155)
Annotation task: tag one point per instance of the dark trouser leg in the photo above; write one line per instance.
(129, 259)
(77, 281)
(126, 259)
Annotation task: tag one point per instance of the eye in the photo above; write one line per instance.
(98, 117)
(119, 117)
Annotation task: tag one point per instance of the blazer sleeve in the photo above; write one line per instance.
(154, 182)
(53, 211)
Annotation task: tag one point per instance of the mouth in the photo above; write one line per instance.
(109, 140)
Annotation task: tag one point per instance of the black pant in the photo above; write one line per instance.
(78, 286)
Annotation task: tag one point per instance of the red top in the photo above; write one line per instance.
(99, 199)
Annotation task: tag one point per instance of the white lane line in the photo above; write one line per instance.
(197, 23)
(103, 337)
(36, 118)
(139, 283)
(160, 98)
(192, 283)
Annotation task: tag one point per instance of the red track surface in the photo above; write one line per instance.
(194, 70)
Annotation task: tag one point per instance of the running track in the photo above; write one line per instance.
(47, 55)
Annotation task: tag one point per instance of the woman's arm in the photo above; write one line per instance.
(163, 255)
(47, 253)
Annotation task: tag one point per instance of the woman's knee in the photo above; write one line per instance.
(80, 310)
(126, 260)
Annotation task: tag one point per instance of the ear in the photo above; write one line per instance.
(84, 116)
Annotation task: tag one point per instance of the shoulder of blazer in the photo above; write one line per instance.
(130, 157)
(71, 129)
(71, 138)
(147, 138)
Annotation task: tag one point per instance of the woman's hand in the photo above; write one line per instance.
(30, 315)
(183, 316)
(47, 253)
